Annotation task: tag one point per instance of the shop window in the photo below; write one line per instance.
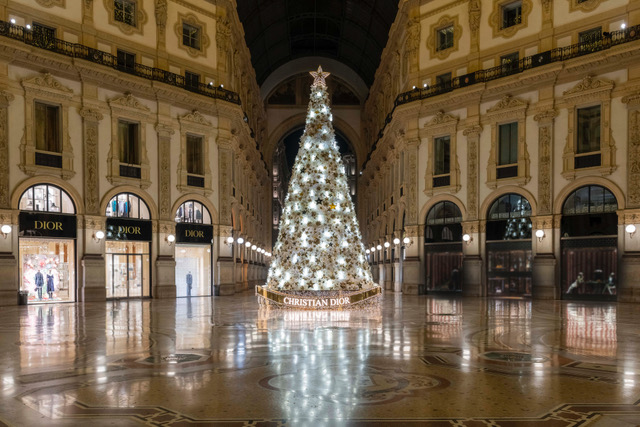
(46, 198)
(126, 60)
(443, 248)
(193, 212)
(508, 218)
(511, 14)
(127, 205)
(125, 11)
(191, 35)
(445, 38)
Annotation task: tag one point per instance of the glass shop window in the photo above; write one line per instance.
(193, 212)
(127, 205)
(46, 198)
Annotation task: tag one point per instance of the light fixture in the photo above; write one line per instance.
(387, 244)
(467, 238)
(6, 229)
(97, 236)
(540, 235)
(379, 247)
(367, 252)
(13, 21)
(170, 239)
(254, 247)
(406, 240)
(424, 85)
(230, 240)
(630, 228)
(248, 244)
(396, 241)
(240, 240)
(28, 26)
(373, 249)
(210, 83)
(623, 25)
(414, 88)
(221, 86)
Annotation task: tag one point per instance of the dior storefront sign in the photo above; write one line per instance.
(129, 229)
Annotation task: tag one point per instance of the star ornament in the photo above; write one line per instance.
(319, 76)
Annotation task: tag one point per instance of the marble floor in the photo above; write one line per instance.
(418, 360)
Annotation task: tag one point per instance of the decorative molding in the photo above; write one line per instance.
(192, 20)
(141, 18)
(545, 143)
(129, 102)
(51, 3)
(442, 124)
(45, 88)
(225, 158)
(91, 115)
(412, 44)
(5, 196)
(472, 134)
(633, 165)
(632, 101)
(432, 40)
(584, 6)
(160, 11)
(91, 160)
(508, 110)
(589, 92)
(195, 117)
(495, 19)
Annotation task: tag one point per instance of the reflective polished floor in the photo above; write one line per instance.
(418, 360)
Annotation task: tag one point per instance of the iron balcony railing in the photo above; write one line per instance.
(596, 44)
(76, 50)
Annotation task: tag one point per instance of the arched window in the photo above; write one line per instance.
(192, 211)
(128, 205)
(46, 198)
(443, 223)
(590, 199)
(508, 218)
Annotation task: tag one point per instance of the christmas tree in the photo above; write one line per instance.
(319, 246)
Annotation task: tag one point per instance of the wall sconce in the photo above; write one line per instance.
(467, 238)
(229, 241)
(367, 252)
(540, 235)
(373, 249)
(407, 242)
(97, 236)
(240, 240)
(387, 244)
(6, 230)
(396, 241)
(248, 244)
(631, 229)
(254, 247)
(170, 239)
(379, 247)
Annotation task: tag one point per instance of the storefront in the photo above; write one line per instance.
(194, 237)
(47, 244)
(128, 247)
(443, 248)
(509, 258)
(589, 244)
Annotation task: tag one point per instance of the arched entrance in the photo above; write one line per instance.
(194, 239)
(443, 248)
(47, 244)
(128, 247)
(589, 243)
(508, 247)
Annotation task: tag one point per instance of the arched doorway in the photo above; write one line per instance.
(509, 258)
(128, 247)
(194, 239)
(443, 248)
(589, 243)
(47, 244)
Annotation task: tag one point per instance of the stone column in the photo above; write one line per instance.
(164, 285)
(544, 262)
(10, 282)
(165, 132)
(227, 259)
(93, 286)
(472, 261)
(160, 10)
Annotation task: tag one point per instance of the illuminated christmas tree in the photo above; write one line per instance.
(319, 245)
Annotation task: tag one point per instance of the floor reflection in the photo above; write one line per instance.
(227, 358)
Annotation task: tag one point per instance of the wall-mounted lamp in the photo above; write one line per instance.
(630, 228)
(379, 247)
(540, 235)
(467, 238)
(254, 247)
(247, 244)
(373, 249)
(229, 241)
(98, 235)
(387, 244)
(170, 239)
(396, 241)
(6, 230)
(240, 240)
(367, 252)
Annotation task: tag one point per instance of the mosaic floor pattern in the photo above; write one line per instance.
(423, 361)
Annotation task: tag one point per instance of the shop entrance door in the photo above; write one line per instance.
(127, 276)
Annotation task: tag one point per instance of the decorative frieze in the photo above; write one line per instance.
(164, 170)
(5, 195)
(473, 138)
(545, 144)
(91, 118)
(633, 165)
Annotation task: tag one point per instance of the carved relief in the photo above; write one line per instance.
(473, 137)
(161, 15)
(495, 19)
(633, 174)
(164, 170)
(432, 40)
(91, 163)
(51, 3)
(412, 190)
(225, 158)
(544, 169)
(5, 99)
(412, 43)
(203, 44)
(585, 5)
(140, 18)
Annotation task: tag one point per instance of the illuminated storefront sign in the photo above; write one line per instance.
(316, 302)
(194, 233)
(322, 300)
(47, 225)
(128, 229)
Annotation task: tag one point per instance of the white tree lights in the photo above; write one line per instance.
(319, 247)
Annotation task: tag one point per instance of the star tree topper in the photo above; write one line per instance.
(319, 76)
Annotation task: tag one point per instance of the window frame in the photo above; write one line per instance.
(129, 196)
(194, 124)
(127, 18)
(441, 125)
(192, 20)
(496, 20)
(140, 17)
(58, 137)
(63, 193)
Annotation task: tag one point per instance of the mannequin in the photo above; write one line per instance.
(50, 286)
(39, 281)
(189, 283)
